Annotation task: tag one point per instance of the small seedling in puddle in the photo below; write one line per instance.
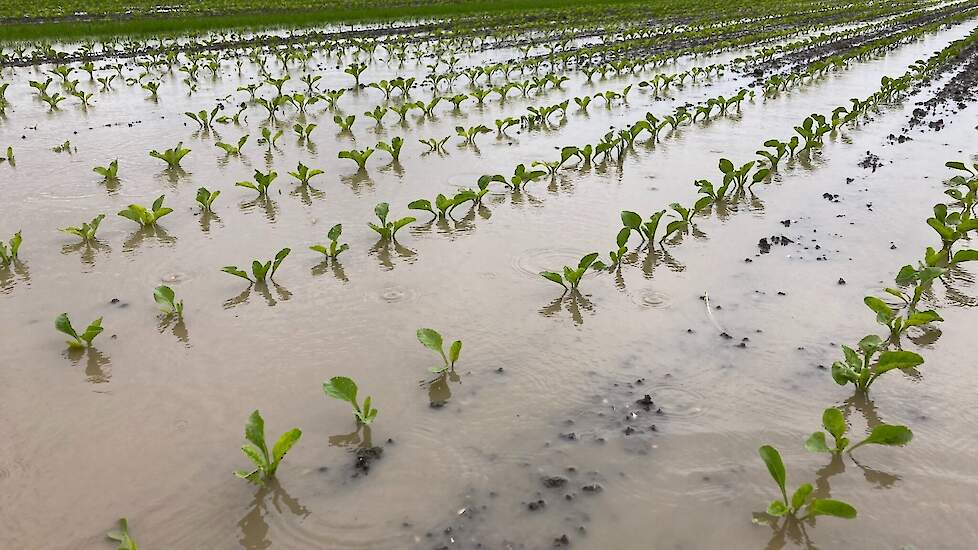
(835, 424)
(8, 253)
(799, 500)
(266, 463)
(360, 157)
(166, 299)
(571, 276)
(345, 389)
(431, 339)
(231, 149)
(468, 135)
(303, 173)
(87, 230)
(261, 183)
(304, 132)
(260, 271)
(268, 138)
(206, 198)
(9, 156)
(122, 536)
(443, 203)
(146, 217)
(393, 148)
(388, 229)
(334, 249)
(858, 366)
(171, 157)
(110, 172)
(345, 123)
(898, 324)
(204, 119)
(83, 340)
(435, 145)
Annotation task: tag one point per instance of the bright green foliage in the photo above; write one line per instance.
(261, 183)
(166, 299)
(891, 318)
(435, 145)
(521, 176)
(835, 424)
(345, 123)
(204, 119)
(393, 148)
(146, 217)
(268, 138)
(572, 276)
(334, 249)
(303, 173)
(388, 229)
(171, 157)
(355, 70)
(232, 149)
(260, 271)
(83, 340)
(444, 204)
(468, 135)
(360, 157)
(87, 230)
(266, 464)
(859, 368)
(110, 172)
(304, 132)
(122, 536)
(432, 340)
(800, 498)
(9, 254)
(206, 198)
(345, 389)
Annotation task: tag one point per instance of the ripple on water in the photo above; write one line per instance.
(531, 262)
(678, 402)
(393, 294)
(648, 298)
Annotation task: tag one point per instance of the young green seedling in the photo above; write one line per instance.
(835, 424)
(393, 148)
(572, 276)
(204, 119)
(166, 299)
(304, 132)
(171, 157)
(83, 340)
(859, 369)
(268, 138)
(9, 255)
(335, 248)
(388, 229)
(261, 183)
(146, 217)
(345, 389)
(432, 340)
(266, 463)
(108, 173)
(206, 198)
(800, 498)
(360, 157)
(468, 135)
(355, 70)
(435, 145)
(231, 149)
(303, 174)
(122, 536)
(897, 323)
(260, 271)
(345, 123)
(87, 230)
(444, 204)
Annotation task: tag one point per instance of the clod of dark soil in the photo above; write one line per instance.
(365, 457)
(554, 482)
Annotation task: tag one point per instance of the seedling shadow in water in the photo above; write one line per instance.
(95, 363)
(574, 302)
(254, 525)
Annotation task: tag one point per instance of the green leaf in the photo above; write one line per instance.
(454, 351)
(816, 444)
(631, 220)
(555, 277)
(919, 318)
(62, 324)
(284, 443)
(93, 330)
(887, 434)
(255, 431)
(233, 270)
(883, 312)
(890, 360)
(801, 495)
(432, 340)
(341, 388)
(777, 508)
(967, 255)
(829, 507)
(955, 165)
(834, 422)
(775, 466)
(335, 232)
(164, 295)
(726, 166)
(871, 344)
(254, 455)
(586, 261)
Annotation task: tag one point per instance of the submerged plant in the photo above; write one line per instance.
(431, 339)
(345, 389)
(260, 271)
(83, 340)
(835, 424)
(266, 463)
(206, 198)
(87, 230)
(393, 148)
(800, 498)
(166, 299)
(858, 366)
(122, 536)
(573, 276)
(146, 217)
(388, 229)
(233, 149)
(171, 157)
(334, 249)
(261, 183)
(9, 254)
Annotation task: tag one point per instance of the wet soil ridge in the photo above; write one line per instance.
(955, 95)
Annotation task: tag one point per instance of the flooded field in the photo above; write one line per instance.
(623, 413)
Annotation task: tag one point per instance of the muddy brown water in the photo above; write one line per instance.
(147, 424)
